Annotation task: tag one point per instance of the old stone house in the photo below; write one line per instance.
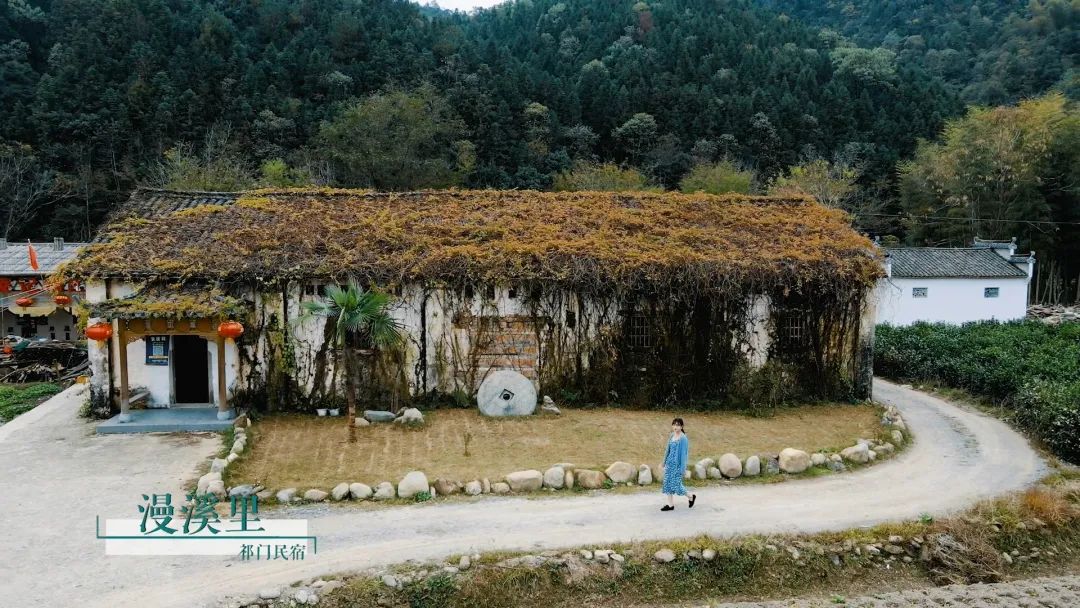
(627, 298)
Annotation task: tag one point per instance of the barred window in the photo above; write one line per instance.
(640, 333)
(991, 292)
(312, 289)
(793, 328)
(919, 292)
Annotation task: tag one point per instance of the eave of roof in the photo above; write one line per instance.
(951, 263)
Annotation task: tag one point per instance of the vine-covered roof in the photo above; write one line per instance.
(154, 300)
(583, 240)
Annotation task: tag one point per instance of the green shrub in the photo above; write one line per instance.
(1027, 366)
(1052, 410)
(15, 400)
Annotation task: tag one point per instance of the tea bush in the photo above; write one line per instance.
(1029, 367)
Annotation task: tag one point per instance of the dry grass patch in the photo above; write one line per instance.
(314, 452)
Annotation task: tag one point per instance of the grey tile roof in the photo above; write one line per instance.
(147, 202)
(15, 260)
(930, 262)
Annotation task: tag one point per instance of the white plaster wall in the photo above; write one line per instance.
(950, 300)
(755, 341)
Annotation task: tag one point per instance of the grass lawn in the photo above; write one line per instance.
(17, 399)
(307, 451)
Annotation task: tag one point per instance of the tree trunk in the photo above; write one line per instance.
(350, 392)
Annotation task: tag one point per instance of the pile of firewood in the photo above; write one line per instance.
(42, 362)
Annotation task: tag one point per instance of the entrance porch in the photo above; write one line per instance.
(166, 420)
(167, 352)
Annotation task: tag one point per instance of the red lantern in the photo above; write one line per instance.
(99, 331)
(230, 329)
(24, 302)
(62, 300)
(8, 349)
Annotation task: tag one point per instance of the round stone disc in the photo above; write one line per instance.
(506, 393)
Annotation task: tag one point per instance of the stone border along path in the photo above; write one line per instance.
(958, 457)
(1057, 592)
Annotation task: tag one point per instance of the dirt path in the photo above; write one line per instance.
(959, 457)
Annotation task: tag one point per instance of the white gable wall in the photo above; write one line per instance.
(950, 300)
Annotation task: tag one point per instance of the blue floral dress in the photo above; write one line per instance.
(678, 451)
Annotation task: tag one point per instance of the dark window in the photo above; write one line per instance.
(991, 292)
(467, 293)
(640, 333)
(571, 319)
(312, 289)
(919, 292)
(511, 292)
(489, 292)
(793, 329)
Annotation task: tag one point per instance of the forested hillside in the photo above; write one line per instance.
(97, 96)
(989, 51)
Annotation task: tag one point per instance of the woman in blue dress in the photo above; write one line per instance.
(678, 451)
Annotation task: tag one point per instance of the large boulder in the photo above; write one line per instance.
(714, 473)
(204, 482)
(384, 491)
(730, 466)
(500, 487)
(644, 475)
(753, 466)
(446, 487)
(818, 459)
(590, 480)
(794, 461)
(474, 488)
(360, 491)
(701, 468)
(555, 478)
(858, 453)
(771, 464)
(412, 484)
(217, 488)
(246, 489)
(621, 472)
(410, 415)
(315, 495)
(340, 491)
(897, 437)
(664, 556)
(379, 416)
(525, 481)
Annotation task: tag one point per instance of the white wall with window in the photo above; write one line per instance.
(903, 301)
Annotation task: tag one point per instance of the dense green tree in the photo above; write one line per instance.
(397, 140)
(718, 178)
(605, 177)
(999, 173)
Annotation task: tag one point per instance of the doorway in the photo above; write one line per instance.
(191, 369)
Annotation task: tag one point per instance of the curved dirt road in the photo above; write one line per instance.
(958, 457)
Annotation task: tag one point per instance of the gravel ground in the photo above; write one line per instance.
(50, 460)
(1056, 592)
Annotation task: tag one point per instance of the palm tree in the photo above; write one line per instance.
(360, 319)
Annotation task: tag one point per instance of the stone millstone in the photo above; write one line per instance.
(506, 393)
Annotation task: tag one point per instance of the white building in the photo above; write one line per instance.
(984, 282)
(32, 309)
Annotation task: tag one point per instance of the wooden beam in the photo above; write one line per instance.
(121, 339)
(224, 412)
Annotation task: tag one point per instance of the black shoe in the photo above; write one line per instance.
(667, 508)
(693, 497)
